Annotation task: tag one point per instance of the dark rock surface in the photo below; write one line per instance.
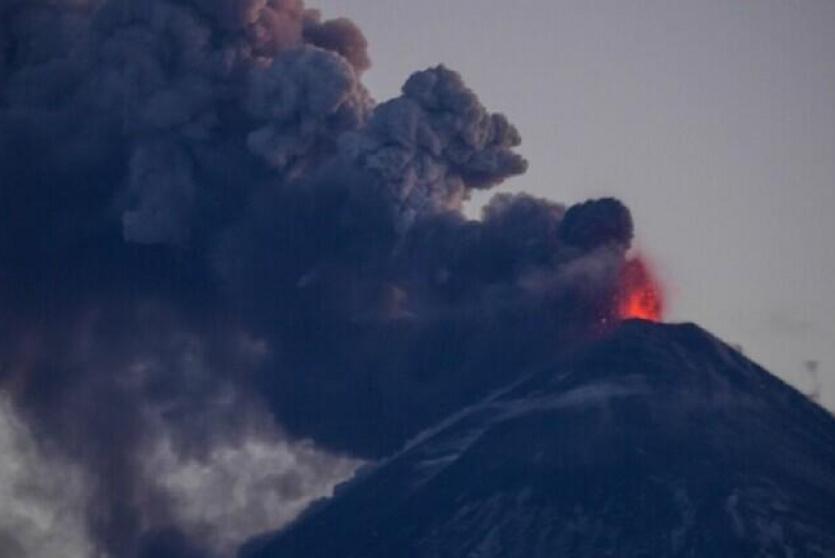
(656, 440)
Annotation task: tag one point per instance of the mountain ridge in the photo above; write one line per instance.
(655, 440)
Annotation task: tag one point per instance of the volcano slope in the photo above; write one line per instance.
(656, 440)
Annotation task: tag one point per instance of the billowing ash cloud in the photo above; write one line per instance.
(215, 247)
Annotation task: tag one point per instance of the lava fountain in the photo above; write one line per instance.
(640, 294)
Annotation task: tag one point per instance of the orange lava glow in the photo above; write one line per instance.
(640, 294)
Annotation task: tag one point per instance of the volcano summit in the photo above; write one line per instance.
(655, 441)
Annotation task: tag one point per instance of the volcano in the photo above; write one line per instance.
(653, 441)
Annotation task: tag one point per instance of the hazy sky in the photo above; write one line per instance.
(714, 120)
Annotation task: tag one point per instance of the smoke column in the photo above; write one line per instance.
(228, 275)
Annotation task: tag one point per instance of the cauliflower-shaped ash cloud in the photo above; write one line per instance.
(304, 98)
(210, 232)
(434, 144)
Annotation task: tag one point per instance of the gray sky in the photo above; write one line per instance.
(714, 120)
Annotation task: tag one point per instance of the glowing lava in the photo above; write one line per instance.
(640, 294)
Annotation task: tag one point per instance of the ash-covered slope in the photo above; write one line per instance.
(658, 440)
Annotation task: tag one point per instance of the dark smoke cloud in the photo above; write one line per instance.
(214, 244)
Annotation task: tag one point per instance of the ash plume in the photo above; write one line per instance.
(216, 247)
